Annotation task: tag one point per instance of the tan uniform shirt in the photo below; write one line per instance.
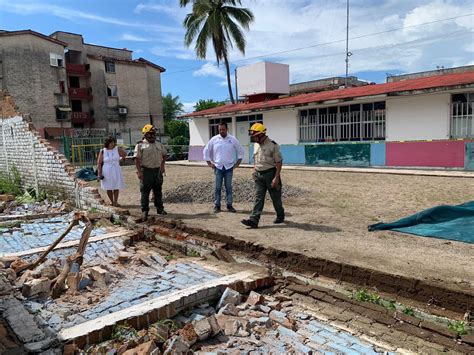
(150, 154)
(266, 155)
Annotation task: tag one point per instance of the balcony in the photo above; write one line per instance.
(80, 94)
(78, 69)
(82, 117)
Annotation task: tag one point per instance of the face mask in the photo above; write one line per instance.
(253, 139)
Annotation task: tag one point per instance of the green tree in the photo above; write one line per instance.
(219, 22)
(172, 107)
(176, 128)
(206, 104)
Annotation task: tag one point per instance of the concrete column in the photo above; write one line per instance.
(234, 126)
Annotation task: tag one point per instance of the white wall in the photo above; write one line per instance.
(418, 117)
(198, 131)
(282, 126)
(263, 77)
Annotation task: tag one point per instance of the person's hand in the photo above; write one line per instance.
(163, 171)
(236, 165)
(140, 175)
(212, 165)
(275, 182)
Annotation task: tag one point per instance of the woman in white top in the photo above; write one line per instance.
(109, 171)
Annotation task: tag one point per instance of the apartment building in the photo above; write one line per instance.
(62, 82)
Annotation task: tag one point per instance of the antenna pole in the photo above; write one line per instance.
(347, 45)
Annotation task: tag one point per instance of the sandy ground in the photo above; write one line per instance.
(331, 220)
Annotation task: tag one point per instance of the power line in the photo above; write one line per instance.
(331, 42)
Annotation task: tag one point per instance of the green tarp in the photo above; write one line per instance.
(445, 222)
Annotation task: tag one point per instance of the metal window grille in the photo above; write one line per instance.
(461, 118)
(357, 123)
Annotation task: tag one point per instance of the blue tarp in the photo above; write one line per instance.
(87, 174)
(445, 222)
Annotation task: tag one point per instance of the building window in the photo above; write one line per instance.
(110, 67)
(56, 60)
(76, 105)
(214, 125)
(112, 90)
(462, 115)
(74, 82)
(357, 122)
(62, 87)
(61, 114)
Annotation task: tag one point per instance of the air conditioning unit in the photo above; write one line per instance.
(122, 110)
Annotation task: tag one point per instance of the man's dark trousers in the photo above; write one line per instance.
(263, 182)
(152, 180)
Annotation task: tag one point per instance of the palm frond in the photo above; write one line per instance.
(201, 41)
(192, 23)
(236, 35)
(243, 16)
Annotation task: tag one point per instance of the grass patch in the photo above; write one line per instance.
(458, 327)
(10, 183)
(193, 254)
(170, 257)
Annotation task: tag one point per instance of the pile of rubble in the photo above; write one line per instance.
(203, 192)
(16, 207)
(261, 324)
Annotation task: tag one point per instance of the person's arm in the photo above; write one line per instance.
(163, 160)
(138, 163)
(240, 153)
(276, 179)
(278, 166)
(100, 161)
(207, 154)
(122, 153)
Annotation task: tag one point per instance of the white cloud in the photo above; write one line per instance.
(210, 69)
(305, 23)
(170, 8)
(133, 38)
(188, 107)
(28, 8)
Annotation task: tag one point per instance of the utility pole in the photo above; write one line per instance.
(348, 54)
(236, 89)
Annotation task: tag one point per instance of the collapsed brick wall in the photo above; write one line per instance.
(39, 164)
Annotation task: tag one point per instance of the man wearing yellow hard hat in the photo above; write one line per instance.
(150, 163)
(267, 168)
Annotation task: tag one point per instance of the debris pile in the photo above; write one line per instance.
(203, 192)
(17, 207)
(261, 324)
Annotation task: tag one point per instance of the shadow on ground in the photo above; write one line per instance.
(304, 226)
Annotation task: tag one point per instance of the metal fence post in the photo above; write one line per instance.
(5, 151)
(35, 170)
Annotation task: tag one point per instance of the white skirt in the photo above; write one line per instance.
(113, 178)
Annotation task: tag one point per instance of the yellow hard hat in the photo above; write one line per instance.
(257, 128)
(147, 128)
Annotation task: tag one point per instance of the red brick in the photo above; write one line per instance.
(303, 289)
(438, 329)
(406, 318)
(317, 294)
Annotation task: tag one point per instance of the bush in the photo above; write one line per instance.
(10, 183)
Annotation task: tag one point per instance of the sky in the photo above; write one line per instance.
(386, 37)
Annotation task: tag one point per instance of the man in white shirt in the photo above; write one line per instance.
(223, 153)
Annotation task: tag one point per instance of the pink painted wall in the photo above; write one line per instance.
(449, 154)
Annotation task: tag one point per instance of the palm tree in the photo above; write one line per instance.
(221, 23)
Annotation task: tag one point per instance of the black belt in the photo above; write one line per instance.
(144, 167)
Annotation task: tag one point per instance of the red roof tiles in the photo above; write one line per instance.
(428, 83)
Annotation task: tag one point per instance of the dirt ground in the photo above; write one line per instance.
(331, 220)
